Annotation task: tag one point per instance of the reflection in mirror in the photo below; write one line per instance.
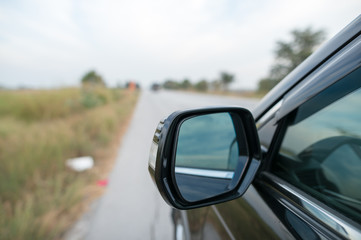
(207, 155)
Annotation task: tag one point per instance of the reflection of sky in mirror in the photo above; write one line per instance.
(341, 118)
(205, 141)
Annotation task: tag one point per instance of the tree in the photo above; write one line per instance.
(92, 79)
(186, 84)
(266, 84)
(226, 79)
(171, 84)
(288, 55)
(201, 86)
(216, 85)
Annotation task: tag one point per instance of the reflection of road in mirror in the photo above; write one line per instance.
(194, 188)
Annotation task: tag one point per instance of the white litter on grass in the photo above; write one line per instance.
(80, 164)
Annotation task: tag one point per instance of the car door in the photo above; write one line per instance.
(308, 187)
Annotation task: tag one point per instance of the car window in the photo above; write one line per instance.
(321, 149)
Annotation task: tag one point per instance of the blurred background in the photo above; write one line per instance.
(91, 79)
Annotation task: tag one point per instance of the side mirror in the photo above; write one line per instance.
(204, 156)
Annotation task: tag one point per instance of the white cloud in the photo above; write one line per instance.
(55, 42)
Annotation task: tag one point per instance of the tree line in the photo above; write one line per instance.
(92, 79)
(221, 83)
(288, 55)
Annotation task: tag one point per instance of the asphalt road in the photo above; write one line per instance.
(132, 208)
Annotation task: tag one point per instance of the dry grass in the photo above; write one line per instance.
(39, 130)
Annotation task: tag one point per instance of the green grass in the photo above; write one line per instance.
(39, 130)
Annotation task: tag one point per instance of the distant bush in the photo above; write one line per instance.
(94, 97)
(92, 78)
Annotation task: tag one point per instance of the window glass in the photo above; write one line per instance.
(340, 118)
(321, 149)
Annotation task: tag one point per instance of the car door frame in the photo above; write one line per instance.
(317, 215)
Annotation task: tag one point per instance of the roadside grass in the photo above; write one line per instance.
(39, 197)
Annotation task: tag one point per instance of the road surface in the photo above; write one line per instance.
(132, 208)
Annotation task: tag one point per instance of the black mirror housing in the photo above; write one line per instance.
(162, 161)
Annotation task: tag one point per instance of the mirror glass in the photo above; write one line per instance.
(207, 155)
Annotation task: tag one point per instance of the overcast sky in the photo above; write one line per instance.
(54, 43)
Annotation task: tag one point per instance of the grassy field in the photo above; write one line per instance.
(39, 129)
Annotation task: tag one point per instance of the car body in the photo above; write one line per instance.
(307, 184)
